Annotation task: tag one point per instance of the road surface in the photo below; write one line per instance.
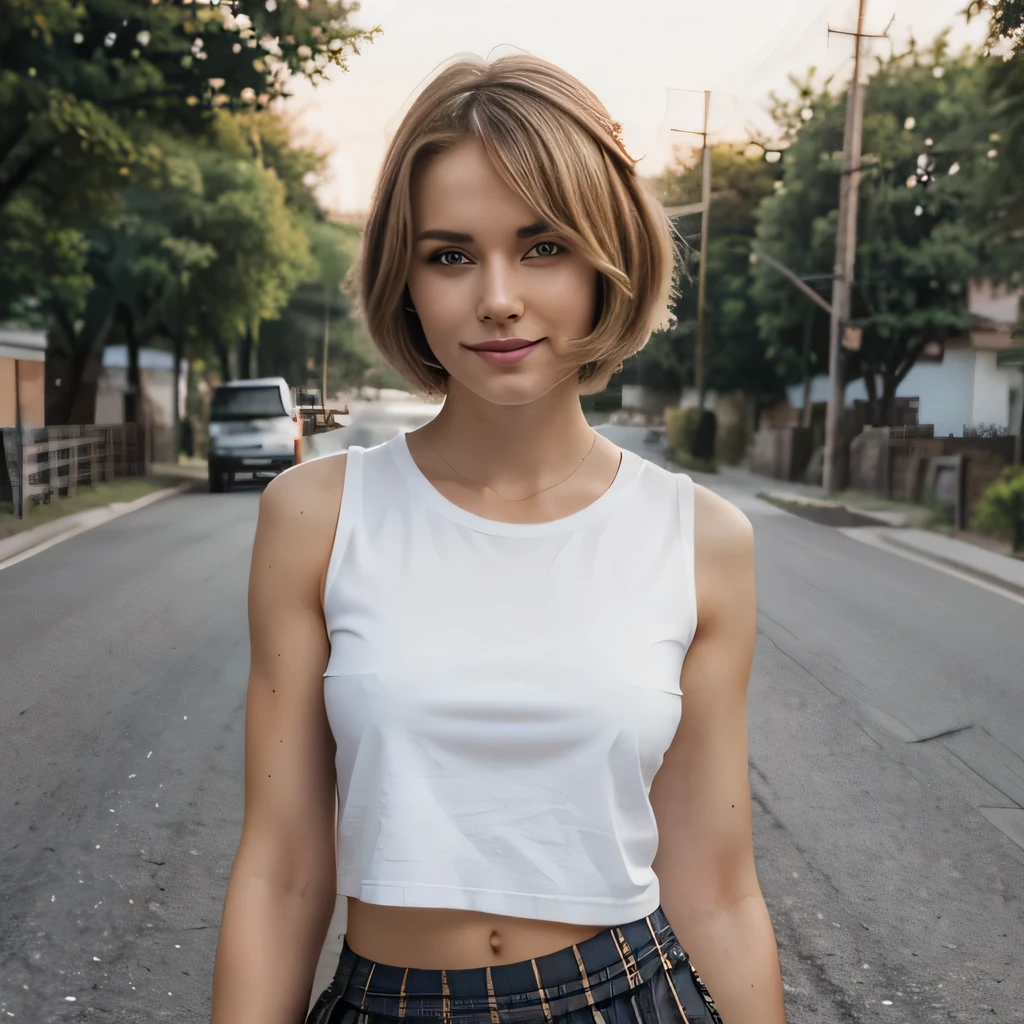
(887, 722)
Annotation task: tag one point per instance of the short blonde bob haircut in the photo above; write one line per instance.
(554, 143)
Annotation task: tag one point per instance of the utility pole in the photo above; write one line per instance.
(323, 359)
(705, 210)
(702, 283)
(846, 252)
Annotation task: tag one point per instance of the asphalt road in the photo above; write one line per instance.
(887, 715)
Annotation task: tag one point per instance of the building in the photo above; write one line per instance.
(156, 373)
(22, 378)
(965, 384)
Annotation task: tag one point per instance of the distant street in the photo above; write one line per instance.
(887, 763)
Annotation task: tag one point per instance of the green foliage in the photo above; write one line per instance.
(1001, 510)
(147, 193)
(704, 436)
(734, 357)
(1007, 20)
(41, 263)
(78, 76)
(1006, 94)
(796, 225)
(926, 192)
(292, 345)
(199, 258)
(681, 430)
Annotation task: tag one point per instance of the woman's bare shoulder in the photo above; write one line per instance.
(721, 531)
(307, 491)
(723, 555)
(299, 513)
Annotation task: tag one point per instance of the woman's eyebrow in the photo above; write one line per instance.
(440, 235)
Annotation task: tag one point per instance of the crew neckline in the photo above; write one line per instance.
(630, 467)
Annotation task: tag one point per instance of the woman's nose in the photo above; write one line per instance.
(501, 299)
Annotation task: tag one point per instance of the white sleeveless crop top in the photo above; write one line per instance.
(502, 695)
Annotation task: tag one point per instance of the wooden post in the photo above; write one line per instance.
(845, 258)
(702, 281)
(73, 466)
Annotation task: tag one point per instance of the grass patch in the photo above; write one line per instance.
(87, 497)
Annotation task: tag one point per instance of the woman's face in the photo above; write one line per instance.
(487, 274)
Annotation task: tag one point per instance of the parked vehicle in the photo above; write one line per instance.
(253, 427)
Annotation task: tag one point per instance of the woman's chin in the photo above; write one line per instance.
(510, 389)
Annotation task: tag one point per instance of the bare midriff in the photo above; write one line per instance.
(453, 939)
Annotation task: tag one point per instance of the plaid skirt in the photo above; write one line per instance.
(634, 974)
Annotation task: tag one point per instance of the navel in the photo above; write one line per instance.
(495, 942)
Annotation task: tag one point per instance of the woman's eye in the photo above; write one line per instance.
(440, 258)
(553, 248)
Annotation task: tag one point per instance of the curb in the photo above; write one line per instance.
(952, 563)
(30, 542)
(893, 520)
(889, 535)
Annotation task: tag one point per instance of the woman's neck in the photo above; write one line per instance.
(510, 448)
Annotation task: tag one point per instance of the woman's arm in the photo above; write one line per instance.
(281, 893)
(701, 795)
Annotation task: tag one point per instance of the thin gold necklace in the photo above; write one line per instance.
(550, 487)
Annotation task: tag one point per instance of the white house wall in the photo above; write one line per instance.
(992, 387)
(946, 391)
(965, 388)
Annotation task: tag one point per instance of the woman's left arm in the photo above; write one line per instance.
(701, 794)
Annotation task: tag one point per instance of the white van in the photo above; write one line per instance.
(253, 427)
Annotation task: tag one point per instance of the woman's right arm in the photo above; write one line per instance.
(281, 893)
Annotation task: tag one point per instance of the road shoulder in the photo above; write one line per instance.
(36, 539)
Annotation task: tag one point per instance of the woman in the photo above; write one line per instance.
(477, 630)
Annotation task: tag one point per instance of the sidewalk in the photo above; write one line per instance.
(899, 527)
(956, 554)
(181, 478)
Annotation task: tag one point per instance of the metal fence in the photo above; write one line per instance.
(49, 463)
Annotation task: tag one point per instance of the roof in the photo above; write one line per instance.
(21, 343)
(267, 382)
(115, 357)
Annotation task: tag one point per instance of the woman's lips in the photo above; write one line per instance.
(506, 356)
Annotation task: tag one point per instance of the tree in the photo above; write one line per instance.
(796, 226)
(293, 344)
(1006, 22)
(198, 260)
(735, 358)
(927, 180)
(95, 98)
(1006, 91)
(78, 75)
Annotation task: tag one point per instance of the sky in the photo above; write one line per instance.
(648, 61)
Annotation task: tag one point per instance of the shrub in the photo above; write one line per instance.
(680, 428)
(1001, 509)
(704, 436)
(683, 432)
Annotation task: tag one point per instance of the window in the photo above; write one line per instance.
(246, 403)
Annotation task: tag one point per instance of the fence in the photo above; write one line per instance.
(897, 463)
(53, 462)
(781, 452)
